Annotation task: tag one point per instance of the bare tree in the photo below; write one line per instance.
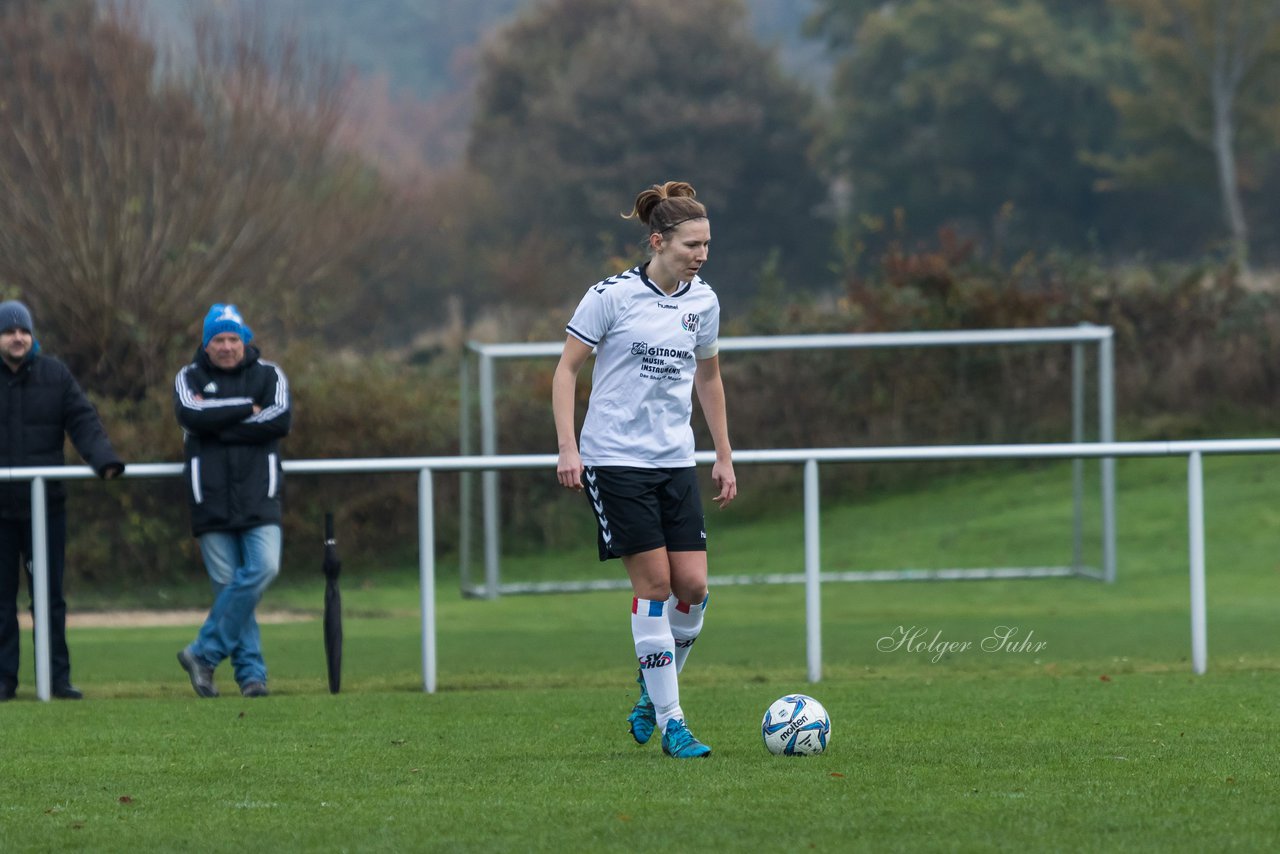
(1207, 62)
(135, 191)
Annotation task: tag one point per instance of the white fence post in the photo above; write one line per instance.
(812, 571)
(40, 586)
(427, 578)
(1195, 525)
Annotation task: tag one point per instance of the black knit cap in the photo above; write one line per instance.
(15, 315)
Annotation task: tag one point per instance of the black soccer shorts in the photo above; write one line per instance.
(639, 509)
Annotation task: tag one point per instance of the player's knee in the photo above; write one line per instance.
(692, 594)
(653, 592)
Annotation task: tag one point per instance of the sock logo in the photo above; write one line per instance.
(655, 659)
(685, 644)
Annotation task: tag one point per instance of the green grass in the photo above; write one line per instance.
(1007, 761)
(1101, 739)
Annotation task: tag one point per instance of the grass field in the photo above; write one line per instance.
(1092, 736)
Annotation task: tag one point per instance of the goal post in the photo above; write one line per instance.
(480, 359)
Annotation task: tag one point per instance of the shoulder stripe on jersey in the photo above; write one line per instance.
(601, 286)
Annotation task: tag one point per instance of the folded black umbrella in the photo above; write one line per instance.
(332, 607)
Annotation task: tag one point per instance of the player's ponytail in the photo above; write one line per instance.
(662, 207)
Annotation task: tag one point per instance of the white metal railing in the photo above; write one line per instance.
(809, 458)
(1077, 336)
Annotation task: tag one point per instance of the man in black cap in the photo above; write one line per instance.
(40, 403)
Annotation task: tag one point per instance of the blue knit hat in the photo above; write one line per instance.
(15, 315)
(225, 318)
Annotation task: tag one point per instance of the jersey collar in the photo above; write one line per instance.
(679, 292)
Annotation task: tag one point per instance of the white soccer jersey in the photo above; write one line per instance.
(647, 347)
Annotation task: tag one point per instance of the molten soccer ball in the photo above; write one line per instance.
(796, 725)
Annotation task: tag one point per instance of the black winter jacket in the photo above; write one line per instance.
(40, 406)
(233, 473)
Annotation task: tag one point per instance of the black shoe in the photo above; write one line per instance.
(7, 692)
(201, 674)
(67, 691)
(254, 689)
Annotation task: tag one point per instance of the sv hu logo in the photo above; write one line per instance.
(655, 659)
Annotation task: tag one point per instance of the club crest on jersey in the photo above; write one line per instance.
(690, 322)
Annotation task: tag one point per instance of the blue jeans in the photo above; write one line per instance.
(241, 565)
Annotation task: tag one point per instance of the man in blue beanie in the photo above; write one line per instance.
(234, 409)
(40, 404)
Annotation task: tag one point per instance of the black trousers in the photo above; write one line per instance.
(15, 560)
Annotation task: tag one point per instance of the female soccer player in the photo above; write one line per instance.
(655, 330)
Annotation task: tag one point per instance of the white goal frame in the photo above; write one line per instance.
(486, 355)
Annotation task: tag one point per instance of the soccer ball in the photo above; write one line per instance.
(796, 725)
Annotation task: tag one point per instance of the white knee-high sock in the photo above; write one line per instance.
(686, 625)
(655, 651)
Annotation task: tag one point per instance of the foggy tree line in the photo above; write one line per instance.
(135, 182)
(972, 162)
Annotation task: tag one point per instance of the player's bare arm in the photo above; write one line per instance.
(710, 388)
(563, 391)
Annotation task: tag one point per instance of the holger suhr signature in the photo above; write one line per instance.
(919, 640)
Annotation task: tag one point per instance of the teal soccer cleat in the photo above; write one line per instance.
(679, 743)
(643, 719)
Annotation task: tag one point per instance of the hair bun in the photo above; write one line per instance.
(677, 189)
(664, 206)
